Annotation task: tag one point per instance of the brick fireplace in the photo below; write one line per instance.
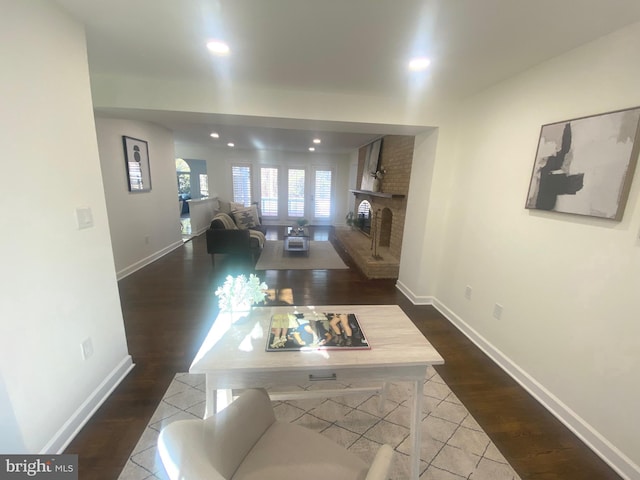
(377, 252)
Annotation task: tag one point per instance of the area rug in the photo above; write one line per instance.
(322, 256)
(454, 446)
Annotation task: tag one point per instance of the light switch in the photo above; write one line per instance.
(84, 217)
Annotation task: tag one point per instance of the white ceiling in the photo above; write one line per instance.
(333, 46)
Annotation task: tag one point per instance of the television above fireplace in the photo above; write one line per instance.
(371, 163)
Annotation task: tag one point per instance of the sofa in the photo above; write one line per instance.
(239, 232)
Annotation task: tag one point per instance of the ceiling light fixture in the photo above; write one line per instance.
(419, 64)
(214, 135)
(218, 48)
(231, 144)
(312, 149)
(317, 140)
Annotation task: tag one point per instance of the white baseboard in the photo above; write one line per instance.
(200, 231)
(81, 416)
(146, 261)
(415, 299)
(617, 460)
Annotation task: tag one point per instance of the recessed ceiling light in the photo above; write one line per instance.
(218, 48)
(317, 140)
(419, 64)
(231, 144)
(312, 149)
(214, 135)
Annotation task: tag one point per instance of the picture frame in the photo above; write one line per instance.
(585, 166)
(136, 158)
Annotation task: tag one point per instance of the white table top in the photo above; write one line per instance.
(241, 346)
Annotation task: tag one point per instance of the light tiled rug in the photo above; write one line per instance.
(454, 446)
(321, 256)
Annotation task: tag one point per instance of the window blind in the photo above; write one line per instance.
(295, 199)
(269, 191)
(322, 199)
(241, 178)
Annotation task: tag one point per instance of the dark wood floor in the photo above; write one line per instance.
(169, 306)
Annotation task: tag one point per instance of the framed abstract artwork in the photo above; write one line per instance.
(136, 157)
(585, 166)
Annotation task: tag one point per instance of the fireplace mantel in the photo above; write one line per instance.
(377, 194)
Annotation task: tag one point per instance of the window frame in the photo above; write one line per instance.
(332, 192)
(287, 200)
(251, 183)
(264, 211)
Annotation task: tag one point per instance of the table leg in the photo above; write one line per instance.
(382, 398)
(224, 397)
(416, 428)
(216, 400)
(210, 399)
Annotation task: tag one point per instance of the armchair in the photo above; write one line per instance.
(245, 442)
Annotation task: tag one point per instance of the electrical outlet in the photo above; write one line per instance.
(467, 292)
(87, 348)
(146, 239)
(497, 311)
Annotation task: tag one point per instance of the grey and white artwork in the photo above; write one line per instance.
(585, 166)
(136, 153)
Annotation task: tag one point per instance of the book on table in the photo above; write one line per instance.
(315, 330)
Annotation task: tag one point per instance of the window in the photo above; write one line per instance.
(269, 191)
(322, 195)
(204, 185)
(241, 184)
(295, 199)
(183, 171)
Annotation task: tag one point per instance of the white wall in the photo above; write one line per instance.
(219, 161)
(415, 266)
(58, 282)
(144, 226)
(569, 285)
(11, 435)
(155, 93)
(352, 185)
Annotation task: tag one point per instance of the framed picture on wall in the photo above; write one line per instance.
(585, 166)
(371, 159)
(136, 157)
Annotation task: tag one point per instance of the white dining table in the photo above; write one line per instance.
(234, 356)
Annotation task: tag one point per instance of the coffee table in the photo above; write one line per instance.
(234, 356)
(296, 240)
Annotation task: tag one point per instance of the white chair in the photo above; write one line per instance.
(246, 442)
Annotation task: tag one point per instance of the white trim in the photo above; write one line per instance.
(312, 185)
(83, 414)
(415, 299)
(148, 260)
(200, 231)
(602, 447)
